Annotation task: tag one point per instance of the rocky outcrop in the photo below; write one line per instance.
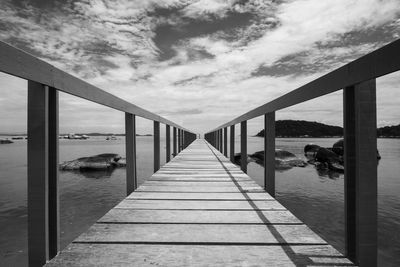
(323, 158)
(105, 161)
(283, 159)
(5, 141)
(338, 148)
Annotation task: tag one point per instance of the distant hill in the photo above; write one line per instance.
(389, 131)
(292, 128)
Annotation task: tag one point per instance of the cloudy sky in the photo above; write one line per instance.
(196, 62)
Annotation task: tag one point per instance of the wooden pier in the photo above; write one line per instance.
(199, 210)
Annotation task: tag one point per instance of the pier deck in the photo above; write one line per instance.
(199, 210)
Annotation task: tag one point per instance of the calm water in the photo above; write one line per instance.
(316, 198)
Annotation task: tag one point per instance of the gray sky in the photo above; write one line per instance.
(196, 62)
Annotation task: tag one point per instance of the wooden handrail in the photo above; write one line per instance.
(18, 63)
(358, 81)
(378, 63)
(44, 82)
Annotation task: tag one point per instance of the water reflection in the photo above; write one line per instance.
(94, 174)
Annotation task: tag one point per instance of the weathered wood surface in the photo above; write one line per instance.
(198, 216)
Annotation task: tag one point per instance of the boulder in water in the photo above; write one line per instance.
(283, 159)
(98, 162)
(338, 148)
(5, 141)
(310, 150)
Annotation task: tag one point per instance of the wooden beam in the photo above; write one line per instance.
(384, 60)
(130, 150)
(53, 157)
(360, 158)
(225, 148)
(174, 144)
(168, 143)
(269, 153)
(31, 68)
(232, 144)
(156, 127)
(243, 146)
(38, 173)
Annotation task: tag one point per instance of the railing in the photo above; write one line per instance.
(358, 81)
(44, 82)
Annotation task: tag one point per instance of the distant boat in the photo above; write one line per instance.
(111, 138)
(17, 138)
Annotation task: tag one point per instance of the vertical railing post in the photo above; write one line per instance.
(220, 140)
(174, 142)
(215, 139)
(360, 161)
(243, 146)
(53, 156)
(184, 139)
(38, 173)
(269, 153)
(225, 148)
(232, 144)
(168, 143)
(156, 146)
(130, 150)
(179, 140)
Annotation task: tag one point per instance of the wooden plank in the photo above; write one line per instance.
(198, 179)
(197, 234)
(196, 184)
(21, 64)
(200, 205)
(378, 63)
(198, 255)
(198, 217)
(217, 196)
(201, 189)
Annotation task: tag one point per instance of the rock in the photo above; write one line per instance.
(310, 150)
(283, 159)
(330, 159)
(338, 148)
(238, 157)
(5, 141)
(98, 162)
(323, 158)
